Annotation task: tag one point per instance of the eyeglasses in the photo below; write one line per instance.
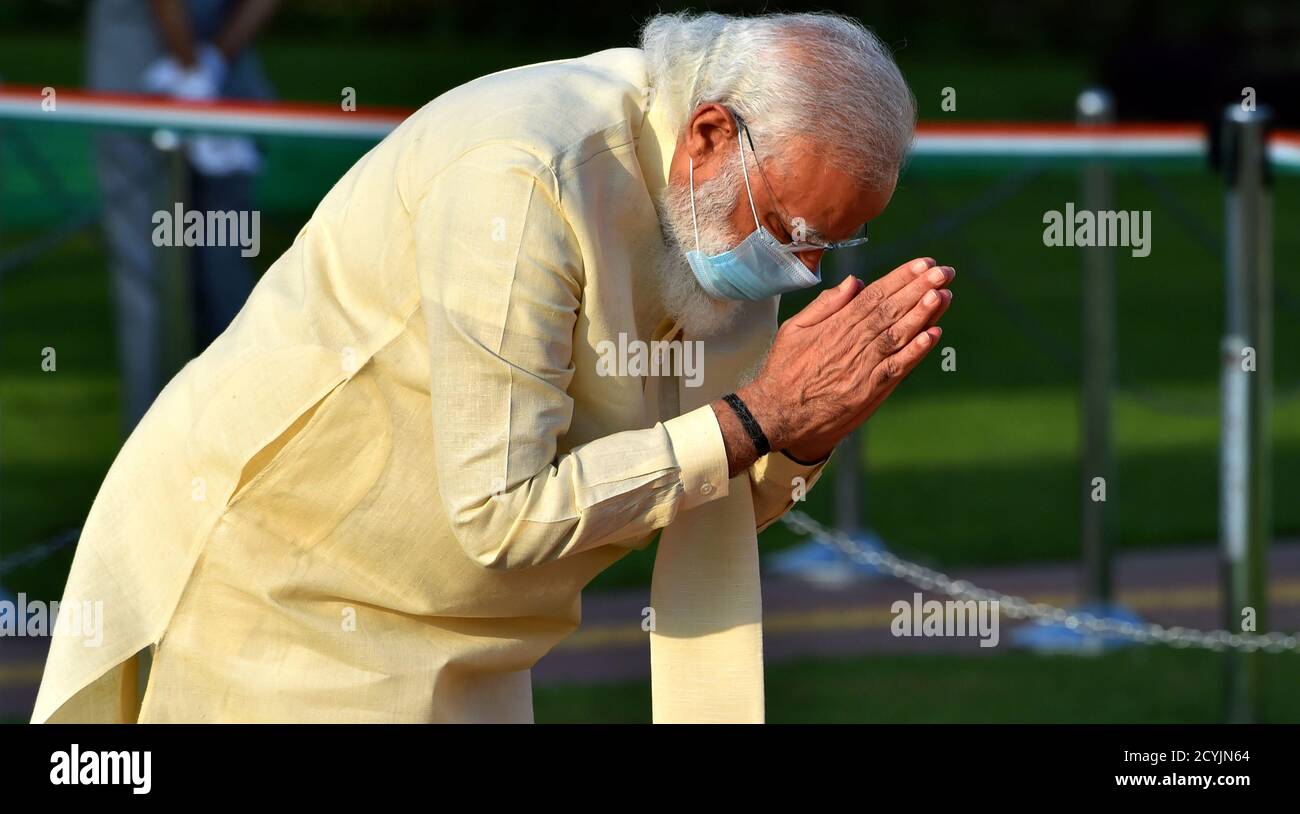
(818, 246)
(794, 246)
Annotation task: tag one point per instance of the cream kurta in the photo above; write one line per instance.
(378, 495)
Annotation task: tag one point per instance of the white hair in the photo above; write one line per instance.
(817, 76)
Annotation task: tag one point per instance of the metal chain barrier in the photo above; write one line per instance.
(929, 579)
(38, 552)
(1020, 608)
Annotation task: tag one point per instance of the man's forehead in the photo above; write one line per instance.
(808, 185)
(828, 203)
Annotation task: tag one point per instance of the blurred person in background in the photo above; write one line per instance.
(195, 50)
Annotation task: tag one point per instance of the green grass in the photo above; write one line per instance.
(970, 467)
(1130, 686)
(980, 465)
(1149, 686)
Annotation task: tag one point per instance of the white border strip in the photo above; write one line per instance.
(330, 124)
(1064, 145)
(1284, 153)
(217, 120)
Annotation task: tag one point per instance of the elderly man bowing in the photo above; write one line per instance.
(379, 494)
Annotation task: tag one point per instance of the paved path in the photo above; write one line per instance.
(1169, 586)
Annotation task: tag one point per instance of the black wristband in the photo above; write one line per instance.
(787, 454)
(747, 421)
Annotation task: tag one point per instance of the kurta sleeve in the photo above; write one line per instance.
(501, 281)
(777, 480)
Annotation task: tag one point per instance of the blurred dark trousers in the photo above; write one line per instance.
(133, 186)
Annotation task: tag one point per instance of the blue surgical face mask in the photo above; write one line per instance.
(758, 268)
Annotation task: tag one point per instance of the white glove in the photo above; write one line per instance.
(163, 76)
(202, 83)
(199, 83)
(215, 155)
(212, 64)
(222, 155)
(209, 155)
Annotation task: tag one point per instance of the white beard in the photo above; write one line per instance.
(680, 293)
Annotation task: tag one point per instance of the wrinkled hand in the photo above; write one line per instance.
(832, 364)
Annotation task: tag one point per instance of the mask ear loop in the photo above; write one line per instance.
(741, 144)
(694, 225)
(744, 173)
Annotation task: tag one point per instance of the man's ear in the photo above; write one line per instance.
(709, 134)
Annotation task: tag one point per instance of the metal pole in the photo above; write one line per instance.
(4, 597)
(1247, 380)
(849, 498)
(175, 295)
(1097, 517)
(848, 495)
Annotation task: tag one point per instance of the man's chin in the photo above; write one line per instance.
(718, 322)
(685, 300)
(701, 315)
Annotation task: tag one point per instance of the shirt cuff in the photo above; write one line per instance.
(701, 455)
